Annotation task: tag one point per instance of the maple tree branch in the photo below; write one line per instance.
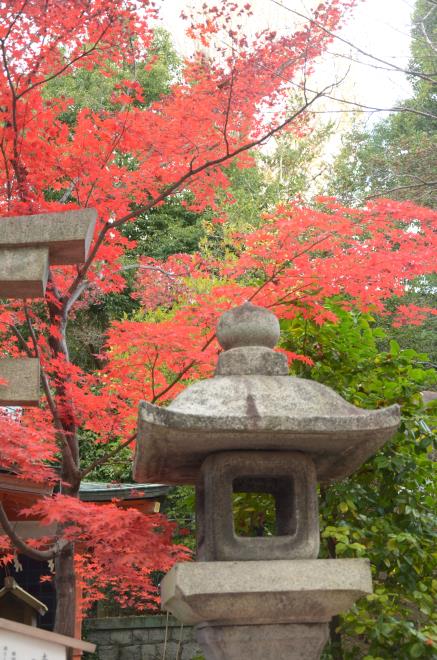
(66, 66)
(23, 342)
(22, 546)
(65, 312)
(152, 374)
(107, 456)
(14, 109)
(183, 371)
(115, 141)
(53, 286)
(270, 279)
(392, 67)
(51, 403)
(15, 19)
(424, 184)
(228, 111)
(7, 173)
(185, 177)
(66, 196)
(145, 267)
(285, 300)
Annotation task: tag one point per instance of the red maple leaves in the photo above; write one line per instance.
(124, 159)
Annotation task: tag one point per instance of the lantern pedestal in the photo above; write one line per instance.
(278, 609)
(282, 642)
(264, 609)
(233, 593)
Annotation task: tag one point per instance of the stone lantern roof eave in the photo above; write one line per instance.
(172, 445)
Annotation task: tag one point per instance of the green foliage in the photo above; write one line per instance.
(254, 514)
(396, 158)
(274, 178)
(179, 507)
(165, 230)
(386, 510)
(88, 88)
(420, 337)
(118, 470)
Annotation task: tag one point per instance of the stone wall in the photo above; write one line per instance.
(141, 638)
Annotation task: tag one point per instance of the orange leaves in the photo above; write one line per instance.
(126, 157)
(412, 315)
(26, 447)
(296, 260)
(145, 358)
(118, 547)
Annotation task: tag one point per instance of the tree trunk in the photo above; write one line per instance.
(335, 637)
(65, 583)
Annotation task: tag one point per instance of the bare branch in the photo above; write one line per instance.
(392, 66)
(191, 172)
(145, 267)
(22, 546)
(425, 184)
(51, 403)
(107, 456)
(360, 107)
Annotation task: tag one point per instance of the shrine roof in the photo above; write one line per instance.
(95, 491)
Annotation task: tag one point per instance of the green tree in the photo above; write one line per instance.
(88, 88)
(386, 510)
(396, 158)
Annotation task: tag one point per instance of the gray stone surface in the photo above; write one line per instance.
(428, 395)
(251, 405)
(22, 376)
(274, 642)
(134, 652)
(289, 476)
(67, 234)
(107, 652)
(23, 272)
(264, 592)
(251, 360)
(257, 412)
(116, 637)
(248, 325)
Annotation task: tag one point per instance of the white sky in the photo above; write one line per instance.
(380, 27)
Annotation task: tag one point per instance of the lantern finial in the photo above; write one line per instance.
(248, 325)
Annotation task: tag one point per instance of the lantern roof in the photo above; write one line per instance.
(253, 404)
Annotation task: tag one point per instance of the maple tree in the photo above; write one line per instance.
(126, 158)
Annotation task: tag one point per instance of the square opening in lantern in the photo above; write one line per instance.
(285, 528)
(262, 506)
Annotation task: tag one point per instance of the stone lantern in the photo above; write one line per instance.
(254, 429)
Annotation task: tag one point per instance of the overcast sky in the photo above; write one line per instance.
(380, 27)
